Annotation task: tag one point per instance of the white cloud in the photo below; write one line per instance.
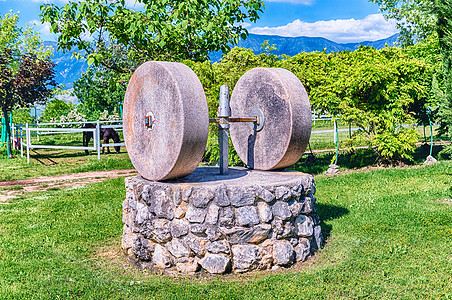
(303, 2)
(371, 28)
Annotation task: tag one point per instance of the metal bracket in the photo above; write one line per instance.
(149, 120)
(224, 119)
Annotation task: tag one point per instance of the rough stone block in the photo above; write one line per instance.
(195, 215)
(283, 253)
(212, 214)
(196, 244)
(215, 263)
(281, 210)
(283, 193)
(318, 239)
(247, 216)
(303, 249)
(304, 227)
(246, 257)
(201, 197)
(162, 258)
(218, 247)
(221, 196)
(188, 267)
(160, 230)
(264, 194)
(178, 248)
(265, 212)
(241, 197)
(179, 228)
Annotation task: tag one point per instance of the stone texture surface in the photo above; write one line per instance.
(174, 95)
(282, 98)
(246, 257)
(247, 220)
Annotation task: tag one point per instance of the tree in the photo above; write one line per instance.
(54, 109)
(101, 88)
(26, 72)
(420, 19)
(170, 30)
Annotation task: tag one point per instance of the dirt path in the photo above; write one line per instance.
(14, 188)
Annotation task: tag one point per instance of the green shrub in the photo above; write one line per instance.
(22, 116)
(55, 109)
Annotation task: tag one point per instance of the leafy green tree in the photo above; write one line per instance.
(22, 116)
(54, 109)
(26, 72)
(98, 89)
(374, 89)
(170, 30)
(420, 19)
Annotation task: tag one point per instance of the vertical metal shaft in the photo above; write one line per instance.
(224, 112)
(27, 133)
(97, 140)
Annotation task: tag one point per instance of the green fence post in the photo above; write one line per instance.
(431, 134)
(3, 131)
(337, 141)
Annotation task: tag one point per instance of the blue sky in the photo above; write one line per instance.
(342, 21)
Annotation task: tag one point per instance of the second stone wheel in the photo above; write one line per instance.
(283, 100)
(166, 120)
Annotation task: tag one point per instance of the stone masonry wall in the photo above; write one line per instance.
(220, 227)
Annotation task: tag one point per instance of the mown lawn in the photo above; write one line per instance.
(389, 236)
(53, 162)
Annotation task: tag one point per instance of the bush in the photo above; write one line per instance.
(55, 110)
(22, 116)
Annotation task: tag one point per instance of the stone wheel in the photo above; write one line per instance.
(166, 120)
(282, 98)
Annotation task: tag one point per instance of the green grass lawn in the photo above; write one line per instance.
(52, 162)
(389, 235)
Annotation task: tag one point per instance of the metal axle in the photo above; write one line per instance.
(223, 120)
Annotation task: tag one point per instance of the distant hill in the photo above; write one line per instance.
(294, 45)
(69, 69)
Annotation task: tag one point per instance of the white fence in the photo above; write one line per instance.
(29, 130)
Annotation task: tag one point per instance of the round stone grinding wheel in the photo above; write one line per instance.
(166, 120)
(283, 100)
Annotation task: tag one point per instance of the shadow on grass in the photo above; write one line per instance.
(61, 154)
(317, 163)
(329, 212)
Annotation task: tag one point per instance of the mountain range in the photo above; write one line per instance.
(69, 69)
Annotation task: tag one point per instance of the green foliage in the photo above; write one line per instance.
(55, 109)
(100, 88)
(22, 116)
(162, 30)
(413, 17)
(375, 90)
(26, 72)
(397, 144)
(443, 13)
(422, 20)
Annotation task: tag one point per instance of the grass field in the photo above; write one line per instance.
(389, 236)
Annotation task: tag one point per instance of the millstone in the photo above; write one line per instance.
(282, 98)
(166, 120)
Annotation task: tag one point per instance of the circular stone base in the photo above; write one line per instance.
(243, 221)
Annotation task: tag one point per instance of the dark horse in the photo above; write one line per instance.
(105, 135)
